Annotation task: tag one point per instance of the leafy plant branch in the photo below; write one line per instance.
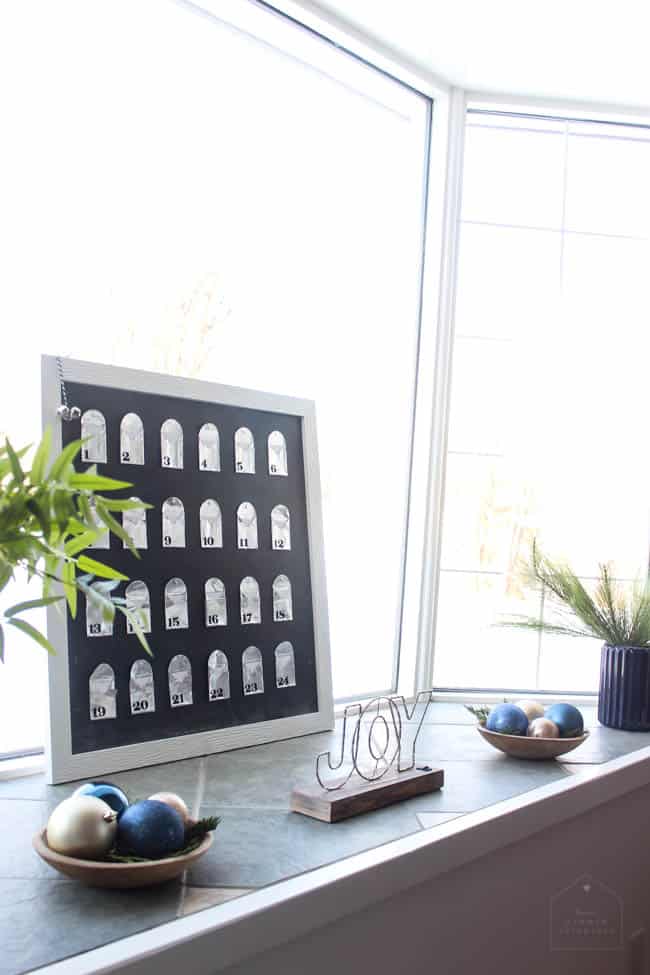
(48, 519)
(619, 616)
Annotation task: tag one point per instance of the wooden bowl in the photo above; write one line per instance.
(96, 873)
(535, 749)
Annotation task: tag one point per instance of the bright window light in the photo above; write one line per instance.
(180, 195)
(549, 389)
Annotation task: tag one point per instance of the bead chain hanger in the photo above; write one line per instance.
(64, 411)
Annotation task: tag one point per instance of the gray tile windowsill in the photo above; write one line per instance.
(47, 917)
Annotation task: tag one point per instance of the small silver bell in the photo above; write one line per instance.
(68, 412)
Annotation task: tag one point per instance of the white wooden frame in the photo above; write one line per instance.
(62, 765)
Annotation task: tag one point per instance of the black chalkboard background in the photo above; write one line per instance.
(194, 565)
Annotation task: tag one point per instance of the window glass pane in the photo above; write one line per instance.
(607, 191)
(228, 212)
(513, 177)
(471, 651)
(549, 396)
(508, 281)
(488, 514)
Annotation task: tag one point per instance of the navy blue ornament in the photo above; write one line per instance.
(150, 829)
(507, 719)
(111, 794)
(567, 718)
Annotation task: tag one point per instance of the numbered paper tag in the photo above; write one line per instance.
(209, 449)
(131, 439)
(252, 671)
(244, 451)
(96, 625)
(176, 616)
(249, 601)
(141, 688)
(277, 454)
(218, 676)
(137, 600)
(173, 523)
(171, 444)
(280, 528)
(104, 540)
(282, 599)
(180, 681)
(285, 665)
(246, 526)
(215, 603)
(103, 696)
(211, 524)
(134, 523)
(93, 432)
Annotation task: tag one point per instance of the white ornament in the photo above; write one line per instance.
(532, 709)
(82, 826)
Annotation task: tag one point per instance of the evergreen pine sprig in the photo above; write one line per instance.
(611, 614)
(194, 836)
(198, 829)
(480, 713)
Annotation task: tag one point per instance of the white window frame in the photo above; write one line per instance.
(494, 102)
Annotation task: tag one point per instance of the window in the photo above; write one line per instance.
(243, 206)
(548, 409)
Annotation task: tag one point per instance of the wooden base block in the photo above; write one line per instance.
(359, 796)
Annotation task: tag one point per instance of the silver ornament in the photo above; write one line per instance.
(75, 412)
(82, 826)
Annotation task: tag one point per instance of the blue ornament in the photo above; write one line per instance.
(507, 719)
(111, 794)
(150, 829)
(567, 718)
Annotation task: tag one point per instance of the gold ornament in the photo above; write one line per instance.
(171, 799)
(82, 826)
(543, 728)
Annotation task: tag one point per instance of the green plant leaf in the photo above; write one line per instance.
(99, 569)
(16, 469)
(65, 458)
(32, 632)
(137, 629)
(41, 513)
(76, 527)
(96, 482)
(121, 504)
(31, 604)
(80, 542)
(41, 457)
(116, 528)
(69, 585)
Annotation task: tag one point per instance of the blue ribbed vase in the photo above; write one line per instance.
(624, 698)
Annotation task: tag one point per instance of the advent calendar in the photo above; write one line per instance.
(229, 585)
